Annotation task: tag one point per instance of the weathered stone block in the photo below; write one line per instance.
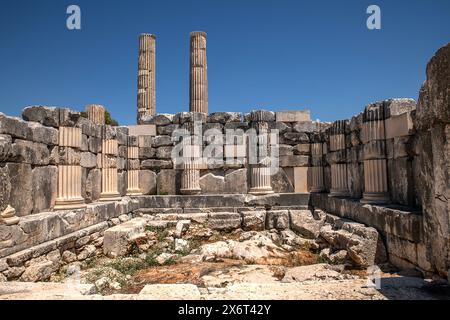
(293, 116)
(93, 185)
(160, 141)
(306, 224)
(224, 220)
(164, 152)
(88, 160)
(21, 197)
(236, 181)
(224, 117)
(280, 182)
(30, 152)
(253, 220)
(166, 182)
(44, 186)
(156, 164)
(117, 240)
(294, 161)
(277, 219)
(212, 184)
(147, 182)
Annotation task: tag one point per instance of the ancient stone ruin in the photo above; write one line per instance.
(272, 196)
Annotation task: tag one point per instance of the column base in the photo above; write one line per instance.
(8, 216)
(108, 197)
(261, 191)
(338, 193)
(190, 191)
(134, 193)
(375, 198)
(69, 204)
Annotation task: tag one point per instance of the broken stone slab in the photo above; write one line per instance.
(212, 184)
(306, 224)
(181, 245)
(293, 116)
(117, 239)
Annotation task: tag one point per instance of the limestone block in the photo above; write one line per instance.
(253, 220)
(47, 116)
(302, 149)
(400, 125)
(5, 147)
(21, 197)
(166, 182)
(155, 164)
(39, 271)
(294, 161)
(306, 126)
(277, 219)
(116, 240)
(93, 185)
(45, 135)
(307, 224)
(280, 182)
(44, 186)
(282, 127)
(236, 181)
(95, 144)
(159, 119)
(147, 152)
(164, 152)
(212, 184)
(224, 220)
(88, 160)
(293, 116)
(224, 117)
(147, 182)
(160, 141)
(142, 130)
(30, 152)
(295, 137)
(184, 117)
(285, 150)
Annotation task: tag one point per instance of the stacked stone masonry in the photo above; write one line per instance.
(387, 167)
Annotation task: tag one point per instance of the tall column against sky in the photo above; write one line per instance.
(198, 95)
(146, 76)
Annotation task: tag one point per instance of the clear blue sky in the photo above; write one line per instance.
(315, 55)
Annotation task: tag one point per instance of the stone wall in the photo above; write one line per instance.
(387, 167)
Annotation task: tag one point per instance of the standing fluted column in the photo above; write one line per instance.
(261, 173)
(338, 158)
(316, 175)
(146, 76)
(198, 95)
(375, 167)
(133, 170)
(190, 176)
(109, 171)
(96, 113)
(69, 170)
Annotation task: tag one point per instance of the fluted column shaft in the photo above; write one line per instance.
(198, 95)
(69, 170)
(146, 76)
(339, 183)
(133, 171)
(190, 176)
(96, 113)
(109, 171)
(260, 174)
(375, 163)
(316, 175)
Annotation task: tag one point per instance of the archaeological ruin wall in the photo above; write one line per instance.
(65, 179)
